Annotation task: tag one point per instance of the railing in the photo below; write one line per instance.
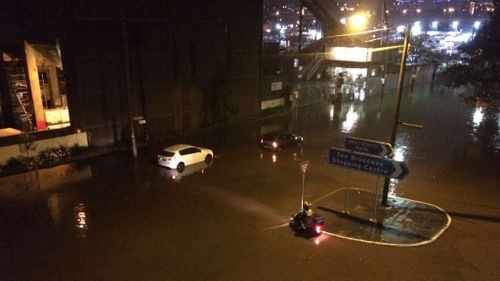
(316, 63)
(312, 67)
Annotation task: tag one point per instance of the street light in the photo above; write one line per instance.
(358, 22)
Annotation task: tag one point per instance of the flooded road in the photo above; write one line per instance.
(111, 218)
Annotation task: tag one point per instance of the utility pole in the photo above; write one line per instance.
(399, 91)
(384, 37)
(130, 96)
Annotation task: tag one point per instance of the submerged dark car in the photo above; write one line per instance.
(278, 140)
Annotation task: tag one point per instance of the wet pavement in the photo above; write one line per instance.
(112, 218)
(402, 223)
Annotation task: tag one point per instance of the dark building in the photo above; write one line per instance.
(170, 66)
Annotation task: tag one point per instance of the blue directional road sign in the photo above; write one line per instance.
(368, 163)
(368, 146)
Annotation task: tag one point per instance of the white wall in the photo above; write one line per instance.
(6, 152)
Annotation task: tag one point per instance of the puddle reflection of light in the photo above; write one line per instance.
(81, 219)
(399, 153)
(478, 116)
(332, 113)
(362, 95)
(275, 158)
(392, 188)
(54, 204)
(320, 239)
(350, 120)
(356, 95)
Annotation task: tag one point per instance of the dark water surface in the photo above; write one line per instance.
(111, 218)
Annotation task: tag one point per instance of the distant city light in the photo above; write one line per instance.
(464, 37)
(455, 24)
(278, 26)
(477, 24)
(343, 20)
(435, 24)
(404, 11)
(419, 10)
(401, 29)
(313, 33)
(416, 29)
(319, 35)
(477, 117)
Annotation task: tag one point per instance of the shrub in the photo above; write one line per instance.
(48, 157)
(78, 150)
(13, 163)
(53, 155)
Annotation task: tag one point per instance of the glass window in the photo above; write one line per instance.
(167, 153)
(184, 151)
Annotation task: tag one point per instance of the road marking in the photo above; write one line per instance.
(432, 239)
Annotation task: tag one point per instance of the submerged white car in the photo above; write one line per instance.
(181, 155)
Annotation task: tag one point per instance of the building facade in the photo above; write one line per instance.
(155, 68)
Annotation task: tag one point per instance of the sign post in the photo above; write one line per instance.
(346, 192)
(374, 164)
(303, 170)
(371, 157)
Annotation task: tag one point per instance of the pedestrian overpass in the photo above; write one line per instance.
(314, 55)
(327, 13)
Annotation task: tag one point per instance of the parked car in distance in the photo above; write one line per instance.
(181, 155)
(276, 141)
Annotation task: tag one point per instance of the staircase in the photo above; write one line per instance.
(312, 67)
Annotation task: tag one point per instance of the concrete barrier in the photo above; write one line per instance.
(9, 151)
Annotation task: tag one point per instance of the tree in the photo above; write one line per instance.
(479, 74)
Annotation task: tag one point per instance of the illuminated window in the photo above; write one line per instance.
(34, 88)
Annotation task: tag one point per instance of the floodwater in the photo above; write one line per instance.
(111, 218)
